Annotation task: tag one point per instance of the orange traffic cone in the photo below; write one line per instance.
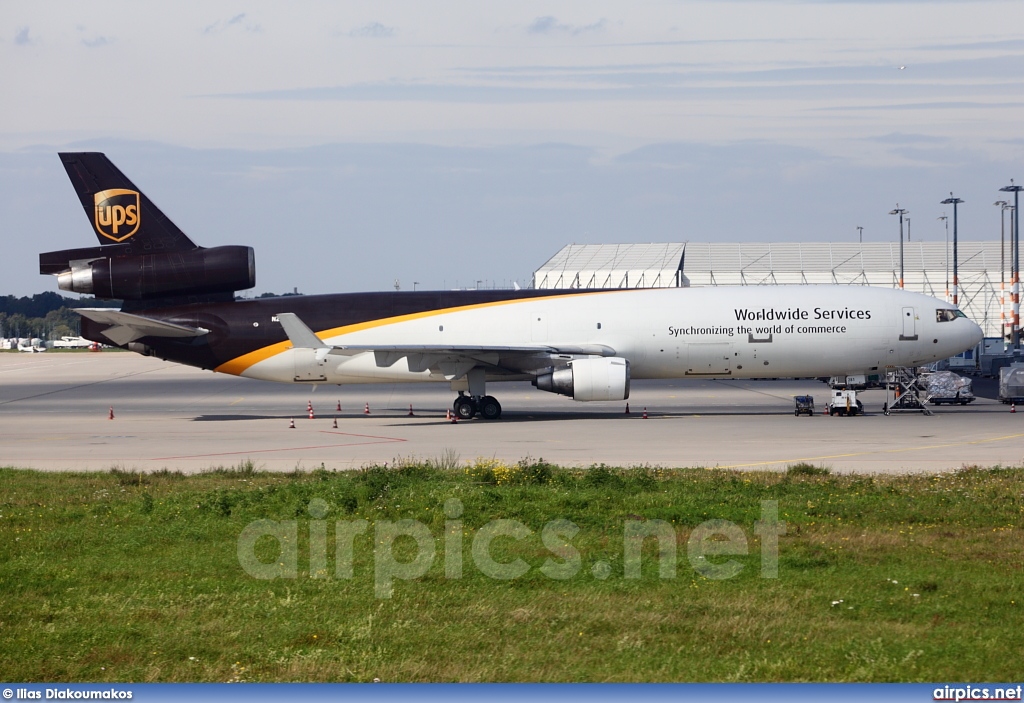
(291, 424)
(447, 414)
(366, 410)
(338, 409)
(645, 414)
(455, 418)
(410, 410)
(627, 408)
(309, 406)
(334, 426)
(1013, 409)
(111, 416)
(311, 416)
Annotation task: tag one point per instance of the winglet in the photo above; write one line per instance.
(300, 336)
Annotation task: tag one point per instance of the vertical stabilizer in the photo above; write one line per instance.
(118, 212)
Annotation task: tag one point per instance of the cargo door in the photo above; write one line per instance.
(909, 333)
(709, 359)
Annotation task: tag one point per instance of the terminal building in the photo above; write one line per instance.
(984, 271)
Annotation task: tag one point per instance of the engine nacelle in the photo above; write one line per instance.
(589, 379)
(194, 271)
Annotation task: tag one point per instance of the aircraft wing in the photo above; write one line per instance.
(128, 327)
(451, 360)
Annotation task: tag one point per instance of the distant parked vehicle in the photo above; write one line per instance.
(844, 402)
(804, 405)
(1011, 384)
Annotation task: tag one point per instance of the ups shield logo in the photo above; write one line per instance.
(117, 213)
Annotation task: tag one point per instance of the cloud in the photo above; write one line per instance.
(901, 138)
(947, 105)
(238, 21)
(1002, 45)
(939, 156)
(97, 42)
(374, 30)
(22, 38)
(551, 25)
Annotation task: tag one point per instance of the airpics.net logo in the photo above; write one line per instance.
(117, 213)
(713, 538)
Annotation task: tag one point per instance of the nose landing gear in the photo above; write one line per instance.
(466, 407)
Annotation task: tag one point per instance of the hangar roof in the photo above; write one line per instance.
(750, 263)
(667, 265)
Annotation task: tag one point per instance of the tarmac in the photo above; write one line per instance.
(55, 407)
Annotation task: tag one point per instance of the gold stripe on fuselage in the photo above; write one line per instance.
(240, 364)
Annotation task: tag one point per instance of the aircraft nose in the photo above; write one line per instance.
(974, 334)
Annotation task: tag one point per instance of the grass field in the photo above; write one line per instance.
(127, 577)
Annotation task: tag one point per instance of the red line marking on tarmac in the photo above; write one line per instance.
(381, 440)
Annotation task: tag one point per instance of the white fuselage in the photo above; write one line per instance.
(715, 332)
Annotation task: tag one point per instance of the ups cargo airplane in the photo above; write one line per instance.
(179, 304)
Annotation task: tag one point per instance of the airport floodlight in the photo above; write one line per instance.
(1002, 205)
(945, 221)
(860, 234)
(1015, 261)
(901, 212)
(956, 280)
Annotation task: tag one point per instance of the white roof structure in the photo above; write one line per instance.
(612, 266)
(763, 263)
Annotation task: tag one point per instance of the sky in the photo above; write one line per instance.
(461, 144)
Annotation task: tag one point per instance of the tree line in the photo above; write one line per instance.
(44, 315)
(51, 315)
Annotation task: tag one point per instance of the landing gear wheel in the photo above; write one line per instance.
(490, 408)
(465, 408)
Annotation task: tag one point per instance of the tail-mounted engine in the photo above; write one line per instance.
(589, 379)
(104, 273)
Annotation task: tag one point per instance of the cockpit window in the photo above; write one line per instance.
(946, 315)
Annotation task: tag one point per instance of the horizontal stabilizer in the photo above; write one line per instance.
(128, 327)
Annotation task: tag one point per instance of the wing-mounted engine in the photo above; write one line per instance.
(112, 272)
(589, 379)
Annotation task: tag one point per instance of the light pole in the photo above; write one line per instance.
(908, 229)
(860, 235)
(1002, 205)
(901, 212)
(1015, 262)
(945, 221)
(1009, 308)
(956, 280)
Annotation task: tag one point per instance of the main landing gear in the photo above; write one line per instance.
(466, 407)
